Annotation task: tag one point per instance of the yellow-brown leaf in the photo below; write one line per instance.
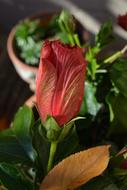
(77, 169)
(2, 188)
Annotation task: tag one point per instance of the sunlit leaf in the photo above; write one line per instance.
(77, 169)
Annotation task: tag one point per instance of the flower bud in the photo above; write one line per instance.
(60, 81)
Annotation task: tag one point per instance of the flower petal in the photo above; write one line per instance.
(45, 86)
(60, 81)
(70, 85)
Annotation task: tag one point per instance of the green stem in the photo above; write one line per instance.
(61, 25)
(53, 148)
(77, 40)
(71, 40)
(115, 56)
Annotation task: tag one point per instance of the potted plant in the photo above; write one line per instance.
(65, 144)
(25, 42)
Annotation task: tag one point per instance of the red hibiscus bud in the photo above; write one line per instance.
(122, 21)
(60, 81)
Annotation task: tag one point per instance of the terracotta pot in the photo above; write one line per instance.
(28, 72)
(25, 71)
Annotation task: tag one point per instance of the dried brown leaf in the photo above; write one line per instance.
(2, 188)
(77, 169)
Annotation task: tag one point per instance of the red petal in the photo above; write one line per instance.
(70, 85)
(45, 86)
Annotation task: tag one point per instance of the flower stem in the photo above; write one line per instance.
(53, 148)
(115, 56)
(77, 40)
(71, 40)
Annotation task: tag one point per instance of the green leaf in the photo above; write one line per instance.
(26, 27)
(15, 142)
(105, 35)
(69, 145)
(41, 146)
(67, 128)
(118, 103)
(28, 39)
(31, 51)
(62, 36)
(53, 26)
(120, 176)
(11, 178)
(101, 183)
(120, 110)
(91, 58)
(110, 107)
(90, 104)
(118, 75)
(66, 22)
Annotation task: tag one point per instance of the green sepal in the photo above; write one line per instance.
(53, 132)
(52, 129)
(67, 128)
